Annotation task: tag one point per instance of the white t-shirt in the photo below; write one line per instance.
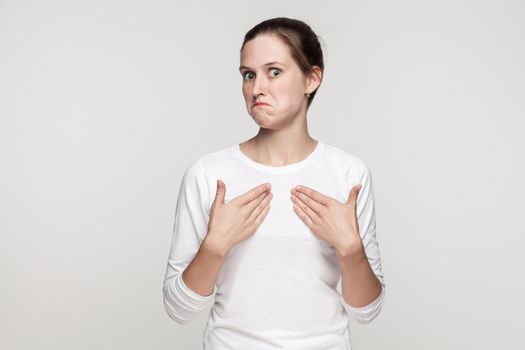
(277, 289)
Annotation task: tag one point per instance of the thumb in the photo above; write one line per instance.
(221, 191)
(352, 197)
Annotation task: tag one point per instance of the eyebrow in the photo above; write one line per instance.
(266, 64)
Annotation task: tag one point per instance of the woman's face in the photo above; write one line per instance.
(270, 75)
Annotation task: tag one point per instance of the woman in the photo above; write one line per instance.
(271, 258)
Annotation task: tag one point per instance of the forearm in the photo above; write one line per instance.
(360, 286)
(201, 274)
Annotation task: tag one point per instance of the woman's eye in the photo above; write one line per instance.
(247, 75)
(250, 75)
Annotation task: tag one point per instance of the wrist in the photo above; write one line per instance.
(354, 251)
(214, 248)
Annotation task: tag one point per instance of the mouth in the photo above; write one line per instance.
(260, 104)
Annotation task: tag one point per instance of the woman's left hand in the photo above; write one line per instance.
(329, 219)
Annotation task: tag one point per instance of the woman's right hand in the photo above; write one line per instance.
(238, 219)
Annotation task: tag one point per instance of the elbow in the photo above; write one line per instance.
(176, 309)
(366, 317)
(173, 312)
(182, 304)
(367, 314)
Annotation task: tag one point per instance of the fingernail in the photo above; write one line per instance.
(268, 185)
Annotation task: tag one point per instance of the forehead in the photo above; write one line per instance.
(265, 48)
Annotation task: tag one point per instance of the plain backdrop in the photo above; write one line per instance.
(104, 104)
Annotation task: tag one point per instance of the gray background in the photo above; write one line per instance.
(104, 104)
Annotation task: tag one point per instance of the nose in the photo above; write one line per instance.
(259, 86)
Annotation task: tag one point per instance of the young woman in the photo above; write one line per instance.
(266, 229)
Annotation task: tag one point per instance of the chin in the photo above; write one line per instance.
(262, 120)
(268, 122)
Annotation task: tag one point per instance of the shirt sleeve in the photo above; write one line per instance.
(360, 173)
(191, 222)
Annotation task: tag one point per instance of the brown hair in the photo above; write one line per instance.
(303, 42)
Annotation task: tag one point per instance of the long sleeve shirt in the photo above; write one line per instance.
(277, 289)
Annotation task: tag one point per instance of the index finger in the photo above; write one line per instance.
(315, 195)
(254, 193)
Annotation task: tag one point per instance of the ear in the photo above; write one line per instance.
(313, 80)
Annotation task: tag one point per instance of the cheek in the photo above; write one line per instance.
(288, 95)
(245, 91)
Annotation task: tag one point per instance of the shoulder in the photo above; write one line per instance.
(350, 162)
(205, 162)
